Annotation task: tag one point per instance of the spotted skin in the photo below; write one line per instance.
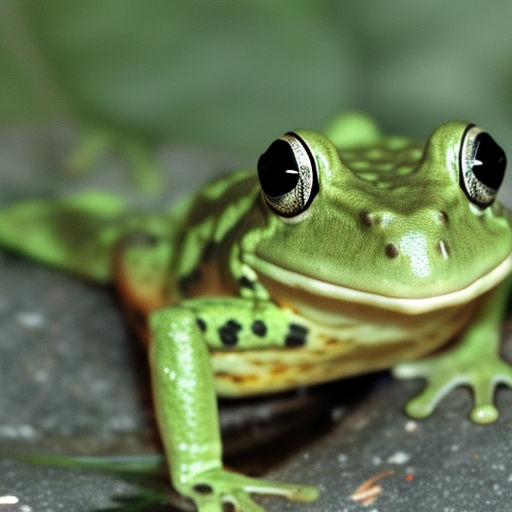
(297, 336)
(228, 333)
(255, 325)
(259, 328)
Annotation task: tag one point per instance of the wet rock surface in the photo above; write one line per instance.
(74, 381)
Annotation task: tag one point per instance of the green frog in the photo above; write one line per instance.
(345, 253)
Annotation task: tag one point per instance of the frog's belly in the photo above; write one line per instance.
(353, 339)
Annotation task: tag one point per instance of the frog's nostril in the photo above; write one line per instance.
(443, 216)
(392, 250)
(367, 219)
(443, 248)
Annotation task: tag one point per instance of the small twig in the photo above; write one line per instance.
(368, 492)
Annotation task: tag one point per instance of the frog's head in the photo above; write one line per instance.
(394, 223)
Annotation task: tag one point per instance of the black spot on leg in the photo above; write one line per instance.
(203, 489)
(201, 324)
(297, 336)
(229, 333)
(259, 328)
(245, 282)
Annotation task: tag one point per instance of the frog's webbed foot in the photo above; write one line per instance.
(474, 361)
(215, 488)
(447, 371)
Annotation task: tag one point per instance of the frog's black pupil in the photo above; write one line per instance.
(489, 161)
(278, 170)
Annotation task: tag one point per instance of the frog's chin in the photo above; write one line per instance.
(409, 305)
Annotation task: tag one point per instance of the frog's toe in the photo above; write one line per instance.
(483, 391)
(412, 370)
(441, 377)
(219, 487)
(484, 384)
(425, 403)
(242, 501)
(292, 492)
(484, 413)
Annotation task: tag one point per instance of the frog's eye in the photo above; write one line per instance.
(287, 174)
(482, 166)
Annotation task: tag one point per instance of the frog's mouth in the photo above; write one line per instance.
(409, 305)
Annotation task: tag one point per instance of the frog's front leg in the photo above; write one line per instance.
(185, 401)
(474, 361)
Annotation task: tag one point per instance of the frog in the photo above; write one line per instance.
(346, 252)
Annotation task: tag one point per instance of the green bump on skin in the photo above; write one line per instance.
(360, 165)
(403, 170)
(414, 154)
(394, 142)
(368, 176)
(384, 166)
(374, 154)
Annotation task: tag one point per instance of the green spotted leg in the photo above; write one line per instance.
(474, 361)
(185, 401)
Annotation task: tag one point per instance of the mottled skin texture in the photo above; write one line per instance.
(389, 261)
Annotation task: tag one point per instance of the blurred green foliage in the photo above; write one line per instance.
(234, 74)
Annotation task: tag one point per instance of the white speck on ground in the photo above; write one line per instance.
(399, 458)
(342, 458)
(18, 432)
(411, 427)
(8, 500)
(30, 319)
(41, 375)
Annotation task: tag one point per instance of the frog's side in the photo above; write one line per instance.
(350, 253)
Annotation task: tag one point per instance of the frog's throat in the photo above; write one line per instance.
(409, 305)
